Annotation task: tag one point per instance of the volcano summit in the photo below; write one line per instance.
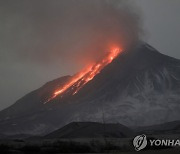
(139, 87)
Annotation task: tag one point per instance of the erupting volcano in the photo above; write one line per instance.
(86, 75)
(139, 86)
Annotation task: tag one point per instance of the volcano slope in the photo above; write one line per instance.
(140, 87)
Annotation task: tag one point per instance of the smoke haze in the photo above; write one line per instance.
(66, 30)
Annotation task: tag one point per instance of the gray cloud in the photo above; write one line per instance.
(44, 31)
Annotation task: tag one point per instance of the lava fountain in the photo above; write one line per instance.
(84, 76)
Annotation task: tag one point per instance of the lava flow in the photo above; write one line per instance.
(87, 74)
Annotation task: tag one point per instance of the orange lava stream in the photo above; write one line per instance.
(86, 75)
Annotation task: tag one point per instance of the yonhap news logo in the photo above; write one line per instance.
(141, 141)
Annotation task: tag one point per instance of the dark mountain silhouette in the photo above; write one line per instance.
(91, 130)
(140, 87)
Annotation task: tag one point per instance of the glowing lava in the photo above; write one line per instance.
(87, 74)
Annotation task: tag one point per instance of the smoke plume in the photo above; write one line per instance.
(70, 31)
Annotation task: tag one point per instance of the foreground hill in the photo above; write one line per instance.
(91, 130)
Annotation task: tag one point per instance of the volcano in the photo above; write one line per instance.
(139, 87)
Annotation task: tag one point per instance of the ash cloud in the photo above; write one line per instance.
(76, 31)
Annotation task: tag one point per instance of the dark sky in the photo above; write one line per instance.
(41, 40)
